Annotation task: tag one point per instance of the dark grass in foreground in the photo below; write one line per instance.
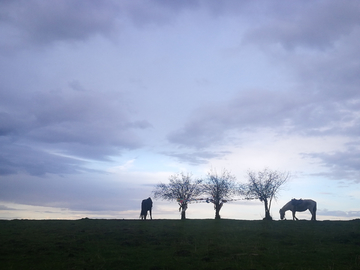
(176, 244)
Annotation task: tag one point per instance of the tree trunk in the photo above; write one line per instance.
(217, 211)
(183, 216)
(267, 211)
(183, 208)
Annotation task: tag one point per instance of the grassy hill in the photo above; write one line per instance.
(176, 244)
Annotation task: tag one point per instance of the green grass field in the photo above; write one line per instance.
(176, 244)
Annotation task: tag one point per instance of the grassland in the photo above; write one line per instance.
(176, 244)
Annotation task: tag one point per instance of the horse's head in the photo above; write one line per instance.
(282, 214)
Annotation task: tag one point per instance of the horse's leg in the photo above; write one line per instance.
(150, 214)
(313, 214)
(294, 218)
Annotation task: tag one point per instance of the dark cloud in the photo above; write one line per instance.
(296, 23)
(162, 12)
(340, 165)
(8, 124)
(4, 208)
(31, 23)
(283, 112)
(42, 22)
(178, 5)
(65, 123)
(314, 24)
(333, 73)
(16, 159)
(326, 100)
(209, 124)
(214, 7)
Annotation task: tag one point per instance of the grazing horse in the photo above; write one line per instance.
(146, 206)
(299, 206)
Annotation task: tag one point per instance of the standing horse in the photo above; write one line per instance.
(146, 205)
(299, 206)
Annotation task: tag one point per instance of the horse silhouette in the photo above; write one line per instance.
(299, 206)
(146, 205)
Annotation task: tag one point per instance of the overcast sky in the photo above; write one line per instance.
(100, 100)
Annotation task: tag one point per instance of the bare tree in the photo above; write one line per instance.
(264, 185)
(181, 188)
(220, 187)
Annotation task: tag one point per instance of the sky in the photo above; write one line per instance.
(102, 100)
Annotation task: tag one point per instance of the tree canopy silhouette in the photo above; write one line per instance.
(220, 187)
(264, 185)
(181, 188)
